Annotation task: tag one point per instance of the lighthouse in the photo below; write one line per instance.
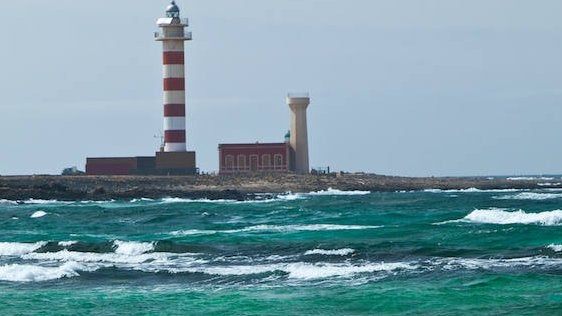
(298, 103)
(173, 36)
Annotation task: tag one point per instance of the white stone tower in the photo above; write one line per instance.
(173, 36)
(299, 132)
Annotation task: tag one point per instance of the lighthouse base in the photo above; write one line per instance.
(176, 163)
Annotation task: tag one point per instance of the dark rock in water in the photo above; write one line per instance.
(99, 191)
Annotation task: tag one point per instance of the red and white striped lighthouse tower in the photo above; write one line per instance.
(173, 36)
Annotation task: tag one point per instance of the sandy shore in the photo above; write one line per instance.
(233, 187)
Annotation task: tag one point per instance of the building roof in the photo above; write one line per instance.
(254, 145)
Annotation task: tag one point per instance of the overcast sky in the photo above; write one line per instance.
(399, 87)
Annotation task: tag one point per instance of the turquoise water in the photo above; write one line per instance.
(328, 253)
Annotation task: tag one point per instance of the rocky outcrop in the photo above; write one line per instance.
(237, 187)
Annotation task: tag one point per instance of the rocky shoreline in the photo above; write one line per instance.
(240, 187)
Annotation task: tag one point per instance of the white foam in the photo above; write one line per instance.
(182, 200)
(300, 270)
(132, 248)
(18, 249)
(529, 178)
(41, 202)
(67, 243)
(142, 200)
(32, 273)
(3, 201)
(503, 217)
(548, 184)
(473, 264)
(274, 228)
(38, 214)
(556, 248)
(336, 252)
(471, 190)
(331, 191)
(530, 196)
(90, 257)
(308, 271)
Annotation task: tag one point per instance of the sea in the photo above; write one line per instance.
(433, 252)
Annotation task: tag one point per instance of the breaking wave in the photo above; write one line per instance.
(529, 178)
(503, 217)
(530, 196)
(142, 257)
(18, 249)
(331, 191)
(274, 228)
(555, 248)
(336, 252)
(33, 273)
(471, 190)
(132, 248)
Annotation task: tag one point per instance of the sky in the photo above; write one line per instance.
(398, 87)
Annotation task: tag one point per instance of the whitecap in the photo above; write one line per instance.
(335, 252)
(274, 228)
(107, 258)
(142, 200)
(471, 190)
(33, 273)
(132, 248)
(38, 214)
(529, 178)
(487, 264)
(300, 270)
(18, 249)
(41, 202)
(9, 202)
(67, 243)
(503, 217)
(555, 248)
(331, 191)
(530, 196)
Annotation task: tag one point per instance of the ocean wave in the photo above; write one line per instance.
(44, 202)
(503, 217)
(530, 196)
(471, 190)
(548, 184)
(184, 200)
(529, 178)
(7, 202)
(335, 252)
(274, 228)
(490, 264)
(65, 255)
(132, 248)
(555, 248)
(331, 191)
(33, 273)
(18, 249)
(38, 214)
(299, 270)
(67, 243)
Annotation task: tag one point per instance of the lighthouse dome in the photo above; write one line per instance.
(173, 10)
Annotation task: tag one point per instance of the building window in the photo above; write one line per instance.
(241, 162)
(266, 161)
(278, 161)
(229, 162)
(254, 162)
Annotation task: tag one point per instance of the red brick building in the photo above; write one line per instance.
(257, 157)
